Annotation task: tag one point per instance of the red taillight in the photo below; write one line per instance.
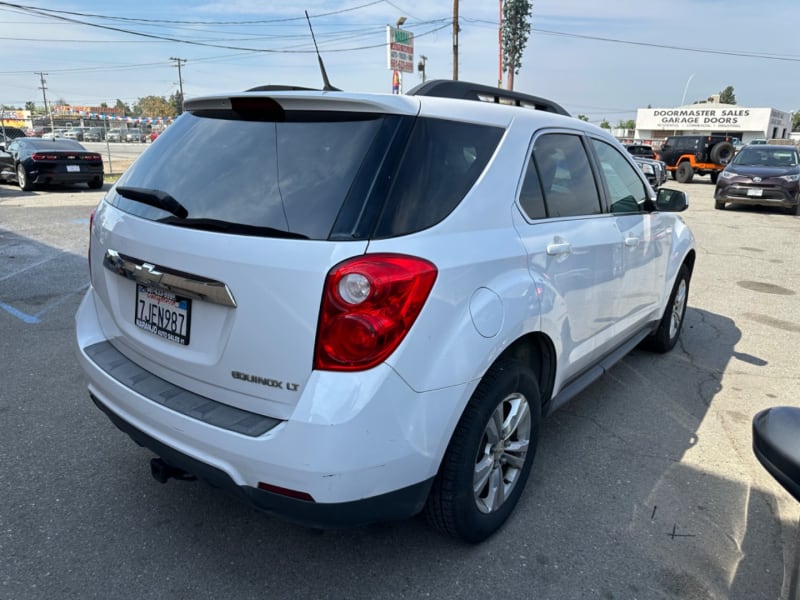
(368, 306)
(92, 157)
(44, 156)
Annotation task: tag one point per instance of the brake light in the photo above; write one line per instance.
(368, 306)
(44, 156)
(91, 157)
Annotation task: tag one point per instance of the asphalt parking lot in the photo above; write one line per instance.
(645, 486)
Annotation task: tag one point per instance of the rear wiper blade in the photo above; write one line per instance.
(232, 228)
(155, 198)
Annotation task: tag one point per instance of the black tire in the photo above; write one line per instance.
(714, 176)
(719, 204)
(95, 184)
(684, 173)
(722, 153)
(669, 329)
(23, 180)
(489, 446)
(674, 174)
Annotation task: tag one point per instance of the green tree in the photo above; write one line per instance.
(31, 106)
(515, 31)
(152, 106)
(176, 101)
(605, 124)
(796, 121)
(123, 108)
(629, 124)
(727, 96)
(583, 117)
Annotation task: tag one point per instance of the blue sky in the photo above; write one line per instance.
(601, 59)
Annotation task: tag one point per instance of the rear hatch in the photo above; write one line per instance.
(210, 254)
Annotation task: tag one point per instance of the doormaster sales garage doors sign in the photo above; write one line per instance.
(709, 117)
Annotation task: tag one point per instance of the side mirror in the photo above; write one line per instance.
(776, 444)
(669, 200)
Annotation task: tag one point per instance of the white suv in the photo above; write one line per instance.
(354, 307)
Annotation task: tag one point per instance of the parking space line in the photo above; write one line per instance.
(34, 319)
(62, 299)
(31, 266)
(25, 318)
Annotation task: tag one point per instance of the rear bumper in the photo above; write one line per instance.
(364, 447)
(399, 504)
(54, 177)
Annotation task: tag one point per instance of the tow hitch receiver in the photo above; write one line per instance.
(161, 472)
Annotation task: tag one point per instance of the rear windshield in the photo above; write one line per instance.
(315, 175)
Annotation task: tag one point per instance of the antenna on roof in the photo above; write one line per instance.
(327, 87)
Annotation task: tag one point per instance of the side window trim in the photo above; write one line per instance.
(592, 174)
(593, 169)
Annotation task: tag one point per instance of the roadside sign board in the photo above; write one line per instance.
(400, 46)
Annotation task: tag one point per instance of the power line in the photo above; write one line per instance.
(44, 13)
(28, 8)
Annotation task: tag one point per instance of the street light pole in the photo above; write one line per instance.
(686, 88)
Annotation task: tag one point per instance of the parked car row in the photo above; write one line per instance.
(84, 134)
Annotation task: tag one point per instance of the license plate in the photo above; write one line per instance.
(163, 313)
(73, 168)
(755, 192)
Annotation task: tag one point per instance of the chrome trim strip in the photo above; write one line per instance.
(183, 284)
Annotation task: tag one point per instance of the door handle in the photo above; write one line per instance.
(632, 242)
(557, 249)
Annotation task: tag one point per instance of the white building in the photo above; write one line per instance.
(747, 124)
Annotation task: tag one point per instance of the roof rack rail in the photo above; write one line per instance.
(464, 90)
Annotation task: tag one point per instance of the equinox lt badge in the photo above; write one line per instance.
(273, 383)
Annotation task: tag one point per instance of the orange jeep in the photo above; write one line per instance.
(686, 155)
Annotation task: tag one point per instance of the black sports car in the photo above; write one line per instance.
(30, 161)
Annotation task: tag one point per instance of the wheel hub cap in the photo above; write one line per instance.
(501, 454)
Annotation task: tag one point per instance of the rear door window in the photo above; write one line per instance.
(565, 175)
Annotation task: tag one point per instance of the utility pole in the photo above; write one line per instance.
(47, 108)
(500, 46)
(455, 40)
(178, 63)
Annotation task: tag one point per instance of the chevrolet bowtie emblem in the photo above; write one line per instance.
(146, 273)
